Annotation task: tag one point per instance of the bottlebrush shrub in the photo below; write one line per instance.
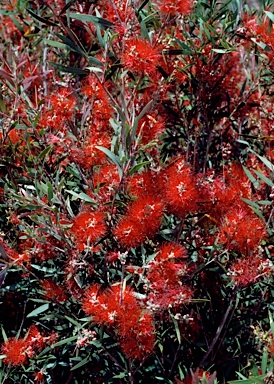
(136, 190)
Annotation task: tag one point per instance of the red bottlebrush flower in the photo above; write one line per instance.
(120, 307)
(35, 338)
(246, 271)
(150, 127)
(142, 221)
(242, 229)
(179, 189)
(175, 7)
(39, 376)
(15, 351)
(145, 183)
(112, 257)
(53, 291)
(61, 109)
(138, 341)
(140, 55)
(90, 155)
(88, 226)
(170, 252)
(165, 288)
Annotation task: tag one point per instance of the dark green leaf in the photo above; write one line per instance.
(73, 70)
(42, 19)
(66, 7)
(91, 19)
(81, 363)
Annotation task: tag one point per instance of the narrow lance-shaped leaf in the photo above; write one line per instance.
(42, 19)
(73, 70)
(112, 157)
(37, 311)
(91, 19)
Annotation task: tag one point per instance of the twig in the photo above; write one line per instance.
(219, 330)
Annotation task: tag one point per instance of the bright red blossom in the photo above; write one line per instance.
(88, 227)
(142, 220)
(179, 189)
(242, 229)
(164, 276)
(174, 7)
(53, 291)
(140, 55)
(247, 271)
(15, 351)
(120, 308)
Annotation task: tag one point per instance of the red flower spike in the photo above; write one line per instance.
(175, 7)
(88, 226)
(15, 351)
(53, 291)
(140, 55)
(142, 221)
(242, 229)
(247, 271)
(179, 189)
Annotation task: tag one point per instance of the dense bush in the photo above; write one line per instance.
(136, 191)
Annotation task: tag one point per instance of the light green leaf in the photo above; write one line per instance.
(56, 44)
(270, 15)
(253, 180)
(5, 338)
(136, 167)
(264, 178)
(264, 160)
(38, 310)
(112, 157)
(81, 363)
(91, 19)
(64, 341)
(271, 322)
(81, 196)
(264, 362)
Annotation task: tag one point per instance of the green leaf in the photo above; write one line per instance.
(72, 321)
(81, 196)
(139, 117)
(264, 178)
(253, 180)
(81, 363)
(251, 203)
(56, 44)
(264, 362)
(64, 341)
(264, 160)
(42, 19)
(185, 47)
(221, 50)
(50, 191)
(38, 310)
(91, 19)
(177, 330)
(144, 3)
(136, 167)
(71, 44)
(45, 152)
(271, 322)
(73, 70)
(112, 157)
(121, 375)
(261, 44)
(66, 7)
(5, 338)
(270, 15)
